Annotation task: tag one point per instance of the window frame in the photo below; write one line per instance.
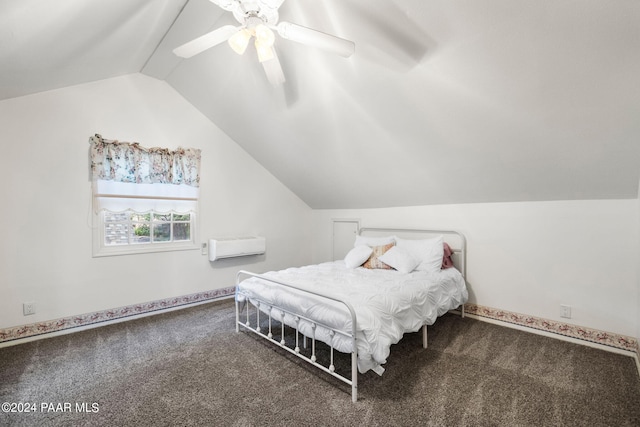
(100, 249)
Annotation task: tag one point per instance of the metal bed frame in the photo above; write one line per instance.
(459, 259)
(353, 382)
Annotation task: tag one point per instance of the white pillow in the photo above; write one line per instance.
(400, 259)
(357, 256)
(428, 252)
(374, 241)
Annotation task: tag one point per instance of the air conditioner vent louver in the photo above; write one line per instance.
(229, 247)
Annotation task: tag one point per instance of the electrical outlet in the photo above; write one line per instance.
(29, 308)
(204, 249)
(565, 311)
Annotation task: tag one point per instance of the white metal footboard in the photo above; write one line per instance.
(270, 308)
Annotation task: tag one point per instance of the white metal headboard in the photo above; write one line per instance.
(454, 239)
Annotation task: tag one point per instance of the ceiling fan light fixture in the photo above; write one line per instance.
(265, 53)
(264, 35)
(240, 40)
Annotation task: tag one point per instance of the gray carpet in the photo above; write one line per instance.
(190, 368)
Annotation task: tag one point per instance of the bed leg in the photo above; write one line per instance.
(237, 317)
(354, 377)
(462, 311)
(424, 336)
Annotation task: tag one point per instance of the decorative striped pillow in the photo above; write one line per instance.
(373, 262)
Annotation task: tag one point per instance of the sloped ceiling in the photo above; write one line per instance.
(444, 101)
(49, 44)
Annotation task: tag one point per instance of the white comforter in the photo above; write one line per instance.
(387, 303)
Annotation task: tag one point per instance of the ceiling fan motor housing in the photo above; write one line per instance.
(265, 10)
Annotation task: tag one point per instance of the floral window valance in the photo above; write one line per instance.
(129, 162)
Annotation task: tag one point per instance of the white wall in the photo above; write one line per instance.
(530, 257)
(45, 255)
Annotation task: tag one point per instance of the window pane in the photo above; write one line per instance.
(162, 232)
(140, 217)
(140, 233)
(115, 234)
(116, 216)
(181, 217)
(162, 217)
(182, 231)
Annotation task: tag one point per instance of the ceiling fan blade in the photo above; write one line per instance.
(206, 41)
(315, 38)
(273, 69)
(270, 4)
(225, 4)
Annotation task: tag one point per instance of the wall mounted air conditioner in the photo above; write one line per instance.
(229, 247)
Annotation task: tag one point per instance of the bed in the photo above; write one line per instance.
(392, 282)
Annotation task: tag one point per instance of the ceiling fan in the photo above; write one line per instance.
(259, 19)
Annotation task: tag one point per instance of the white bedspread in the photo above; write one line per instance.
(387, 303)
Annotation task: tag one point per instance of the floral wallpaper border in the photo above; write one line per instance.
(618, 341)
(586, 334)
(39, 328)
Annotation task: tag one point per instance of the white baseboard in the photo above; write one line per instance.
(62, 326)
(553, 335)
(608, 341)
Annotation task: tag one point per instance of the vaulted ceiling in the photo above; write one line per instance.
(444, 101)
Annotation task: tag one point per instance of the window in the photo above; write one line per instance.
(145, 200)
(126, 232)
(137, 228)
